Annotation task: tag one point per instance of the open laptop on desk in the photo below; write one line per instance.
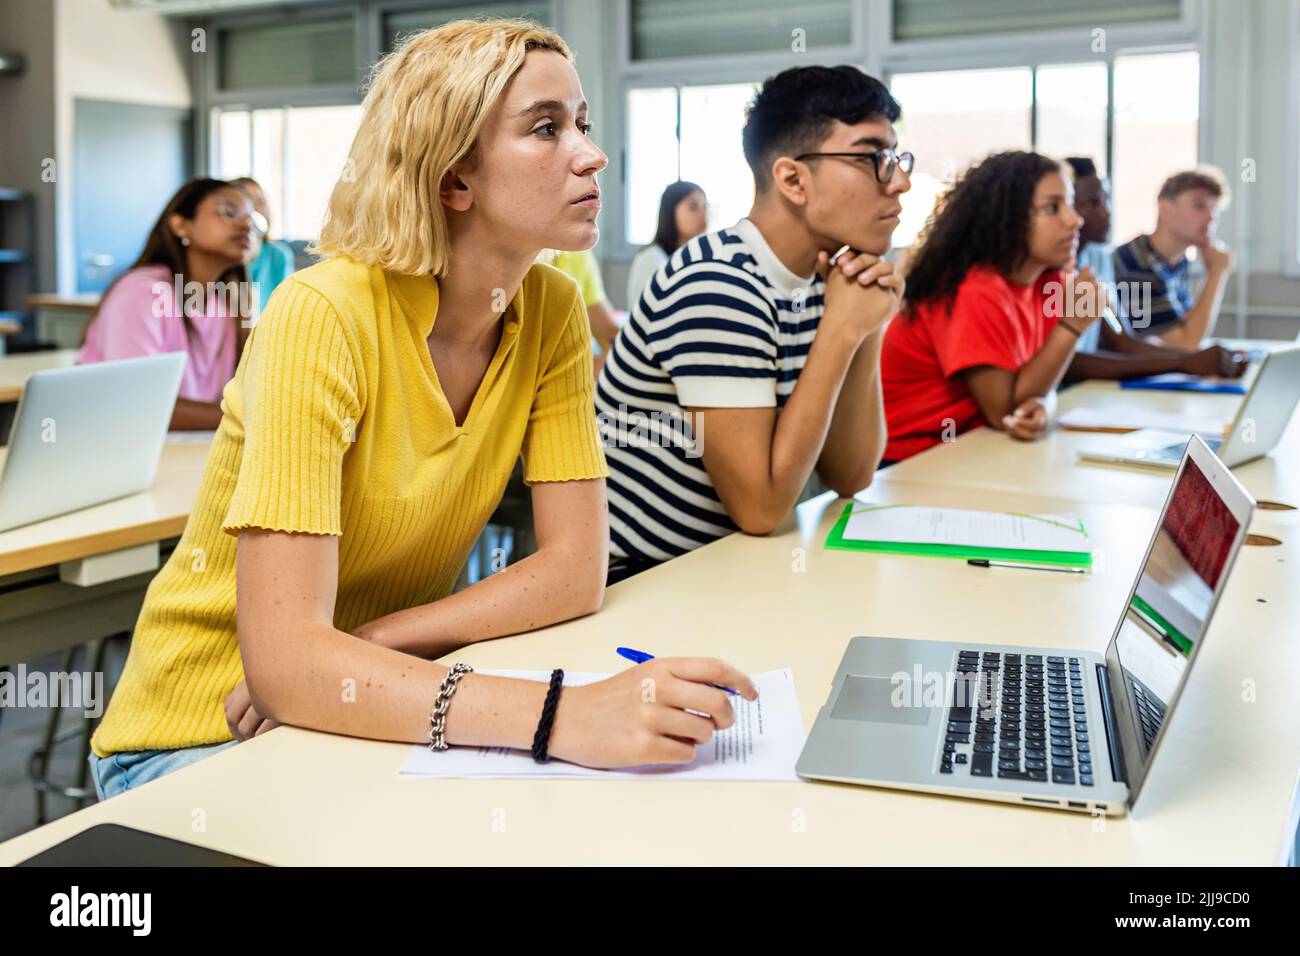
(1070, 729)
(86, 435)
(1261, 421)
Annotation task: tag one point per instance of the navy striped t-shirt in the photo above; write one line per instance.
(722, 324)
(1154, 296)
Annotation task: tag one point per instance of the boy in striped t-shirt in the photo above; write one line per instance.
(751, 359)
(1175, 314)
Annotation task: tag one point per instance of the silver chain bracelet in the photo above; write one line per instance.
(438, 716)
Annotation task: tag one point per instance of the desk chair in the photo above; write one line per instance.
(510, 529)
(38, 765)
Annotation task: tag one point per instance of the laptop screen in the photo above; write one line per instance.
(1169, 609)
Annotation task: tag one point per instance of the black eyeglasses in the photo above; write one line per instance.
(885, 160)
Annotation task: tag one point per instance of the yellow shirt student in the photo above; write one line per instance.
(364, 445)
(583, 269)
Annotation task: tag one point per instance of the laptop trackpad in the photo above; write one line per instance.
(880, 700)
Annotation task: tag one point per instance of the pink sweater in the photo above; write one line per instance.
(139, 317)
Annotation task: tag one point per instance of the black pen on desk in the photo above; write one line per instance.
(985, 563)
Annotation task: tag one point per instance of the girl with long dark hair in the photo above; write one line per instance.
(683, 215)
(187, 292)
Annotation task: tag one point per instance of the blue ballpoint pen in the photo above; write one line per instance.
(640, 657)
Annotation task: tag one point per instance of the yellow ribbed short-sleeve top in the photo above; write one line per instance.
(335, 424)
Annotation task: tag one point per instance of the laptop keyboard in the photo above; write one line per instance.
(1018, 717)
(1174, 452)
(1150, 711)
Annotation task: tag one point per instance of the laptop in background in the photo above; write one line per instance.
(87, 434)
(1261, 420)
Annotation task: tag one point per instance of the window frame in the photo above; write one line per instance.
(368, 24)
(1008, 59)
(1291, 220)
(1186, 28)
(373, 12)
(679, 72)
(873, 49)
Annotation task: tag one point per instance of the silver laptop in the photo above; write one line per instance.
(1261, 421)
(1040, 726)
(87, 434)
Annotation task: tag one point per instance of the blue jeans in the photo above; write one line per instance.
(120, 772)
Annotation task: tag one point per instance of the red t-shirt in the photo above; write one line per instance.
(992, 321)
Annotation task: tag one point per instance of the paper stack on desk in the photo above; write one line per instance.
(961, 533)
(1115, 419)
(763, 744)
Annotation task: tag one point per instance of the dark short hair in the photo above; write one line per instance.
(1083, 166)
(666, 237)
(793, 111)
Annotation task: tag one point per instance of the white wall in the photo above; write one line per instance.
(1248, 60)
(102, 53)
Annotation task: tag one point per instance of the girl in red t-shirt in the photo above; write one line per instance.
(990, 321)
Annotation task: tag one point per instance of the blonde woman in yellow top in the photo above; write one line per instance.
(373, 422)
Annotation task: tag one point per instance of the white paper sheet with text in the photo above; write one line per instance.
(909, 524)
(763, 743)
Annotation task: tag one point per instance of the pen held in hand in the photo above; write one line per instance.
(640, 657)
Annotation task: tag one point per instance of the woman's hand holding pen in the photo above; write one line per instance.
(647, 714)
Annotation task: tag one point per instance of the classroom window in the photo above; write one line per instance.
(692, 133)
(681, 28)
(1071, 105)
(399, 24)
(938, 19)
(1157, 111)
(299, 54)
(954, 118)
(295, 153)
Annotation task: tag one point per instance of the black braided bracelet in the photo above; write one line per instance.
(542, 739)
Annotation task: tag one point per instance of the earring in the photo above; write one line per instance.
(185, 240)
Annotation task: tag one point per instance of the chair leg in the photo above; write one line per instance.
(83, 768)
(40, 767)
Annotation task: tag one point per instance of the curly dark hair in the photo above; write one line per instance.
(982, 220)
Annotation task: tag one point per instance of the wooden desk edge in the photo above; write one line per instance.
(44, 555)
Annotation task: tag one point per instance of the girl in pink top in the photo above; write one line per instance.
(188, 292)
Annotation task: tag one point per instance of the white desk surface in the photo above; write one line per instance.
(160, 512)
(15, 370)
(1221, 791)
(986, 458)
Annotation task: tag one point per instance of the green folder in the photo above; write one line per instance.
(836, 539)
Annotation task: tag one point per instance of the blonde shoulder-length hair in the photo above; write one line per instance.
(422, 114)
